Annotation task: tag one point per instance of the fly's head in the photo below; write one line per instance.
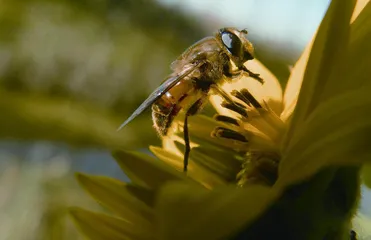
(235, 44)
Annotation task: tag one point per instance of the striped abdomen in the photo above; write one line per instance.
(166, 108)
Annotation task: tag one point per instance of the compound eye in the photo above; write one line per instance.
(232, 43)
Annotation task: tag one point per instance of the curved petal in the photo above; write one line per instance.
(293, 86)
(168, 144)
(146, 171)
(116, 196)
(97, 226)
(337, 133)
(191, 212)
(361, 224)
(366, 175)
(326, 58)
(195, 171)
(355, 69)
(361, 4)
(200, 126)
(294, 83)
(270, 91)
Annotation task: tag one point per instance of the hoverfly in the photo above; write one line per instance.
(201, 68)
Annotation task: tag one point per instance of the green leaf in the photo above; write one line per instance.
(328, 51)
(366, 174)
(195, 171)
(338, 132)
(190, 212)
(146, 171)
(116, 196)
(97, 226)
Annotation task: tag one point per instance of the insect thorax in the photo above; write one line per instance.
(191, 90)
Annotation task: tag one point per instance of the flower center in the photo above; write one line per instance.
(259, 131)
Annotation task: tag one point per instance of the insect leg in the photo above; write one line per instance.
(242, 70)
(256, 76)
(186, 142)
(195, 108)
(247, 73)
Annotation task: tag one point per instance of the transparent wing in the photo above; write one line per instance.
(205, 45)
(162, 89)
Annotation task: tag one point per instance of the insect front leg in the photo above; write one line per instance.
(187, 148)
(242, 71)
(247, 73)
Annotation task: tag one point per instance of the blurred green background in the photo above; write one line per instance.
(72, 71)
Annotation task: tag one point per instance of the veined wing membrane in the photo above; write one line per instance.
(161, 90)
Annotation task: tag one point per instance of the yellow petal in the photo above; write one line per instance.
(359, 7)
(327, 54)
(366, 175)
(294, 83)
(355, 70)
(223, 163)
(168, 144)
(337, 133)
(200, 129)
(362, 225)
(116, 196)
(146, 171)
(98, 226)
(293, 86)
(270, 91)
(195, 171)
(190, 212)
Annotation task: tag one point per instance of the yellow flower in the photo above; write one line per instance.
(303, 147)
(254, 126)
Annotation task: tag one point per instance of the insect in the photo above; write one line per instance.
(198, 72)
